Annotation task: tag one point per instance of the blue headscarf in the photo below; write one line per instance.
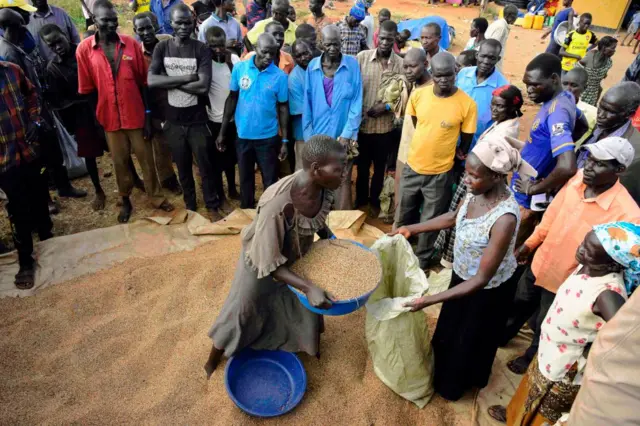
(357, 11)
(621, 241)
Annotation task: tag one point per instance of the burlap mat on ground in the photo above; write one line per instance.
(64, 258)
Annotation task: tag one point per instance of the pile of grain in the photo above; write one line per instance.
(340, 267)
(127, 346)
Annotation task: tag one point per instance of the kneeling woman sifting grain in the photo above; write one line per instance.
(465, 341)
(261, 312)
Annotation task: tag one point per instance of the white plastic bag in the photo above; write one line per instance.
(75, 165)
(398, 340)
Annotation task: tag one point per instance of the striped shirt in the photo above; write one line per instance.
(353, 40)
(371, 71)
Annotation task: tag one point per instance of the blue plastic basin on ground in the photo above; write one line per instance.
(341, 307)
(265, 383)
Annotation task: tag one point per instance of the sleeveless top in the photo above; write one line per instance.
(272, 239)
(472, 237)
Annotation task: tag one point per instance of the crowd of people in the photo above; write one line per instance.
(543, 231)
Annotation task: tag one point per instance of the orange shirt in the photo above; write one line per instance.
(566, 222)
(286, 61)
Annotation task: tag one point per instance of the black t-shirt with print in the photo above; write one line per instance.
(173, 60)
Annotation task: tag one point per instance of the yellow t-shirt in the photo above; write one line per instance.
(143, 6)
(258, 28)
(577, 44)
(440, 121)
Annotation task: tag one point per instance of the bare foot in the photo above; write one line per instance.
(498, 412)
(213, 361)
(125, 210)
(25, 278)
(99, 201)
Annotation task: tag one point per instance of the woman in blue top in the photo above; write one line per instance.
(565, 14)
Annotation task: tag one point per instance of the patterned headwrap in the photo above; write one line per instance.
(621, 241)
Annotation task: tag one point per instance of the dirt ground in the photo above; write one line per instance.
(126, 344)
(77, 215)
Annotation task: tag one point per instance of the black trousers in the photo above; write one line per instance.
(27, 190)
(265, 153)
(186, 141)
(392, 157)
(531, 303)
(224, 162)
(373, 148)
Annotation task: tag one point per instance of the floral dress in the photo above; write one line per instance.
(553, 379)
(259, 312)
(570, 324)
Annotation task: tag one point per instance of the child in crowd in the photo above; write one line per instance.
(634, 25)
(577, 43)
(403, 44)
(466, 58)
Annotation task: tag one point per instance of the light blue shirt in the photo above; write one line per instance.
(260, 93)
(481, 94)
(163, 14)
(230, 26)
(343, 117)
(296, 101)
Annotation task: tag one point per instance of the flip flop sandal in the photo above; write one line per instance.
(25, 279)
(498, 413)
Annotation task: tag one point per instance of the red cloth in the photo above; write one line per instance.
(120, 104)
(635, 121)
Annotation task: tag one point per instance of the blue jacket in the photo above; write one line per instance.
(343, 117)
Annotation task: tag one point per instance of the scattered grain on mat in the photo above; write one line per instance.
(340, 267)
(127, 345)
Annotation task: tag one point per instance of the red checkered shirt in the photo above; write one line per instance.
(19, 106)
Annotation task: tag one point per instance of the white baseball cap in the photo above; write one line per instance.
(612, 148)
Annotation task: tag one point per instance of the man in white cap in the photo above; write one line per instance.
(592, 197)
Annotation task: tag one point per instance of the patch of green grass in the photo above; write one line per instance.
(74, 9)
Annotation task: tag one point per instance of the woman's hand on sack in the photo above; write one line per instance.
(318, 298)
(418, 304)
(403, 230)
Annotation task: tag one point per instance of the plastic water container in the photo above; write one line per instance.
(538, 22)
(528, 21)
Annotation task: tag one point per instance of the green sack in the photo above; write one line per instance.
(398, 340)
